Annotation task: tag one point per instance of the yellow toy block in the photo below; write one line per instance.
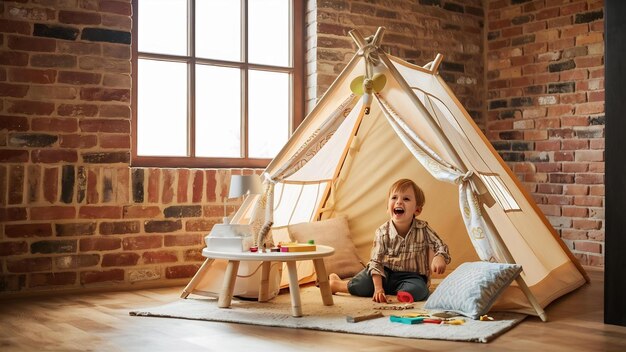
(297, 247)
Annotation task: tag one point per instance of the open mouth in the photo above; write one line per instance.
(398, 211)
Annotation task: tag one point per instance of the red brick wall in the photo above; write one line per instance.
(416, 31)
(545, 95)
(73, 213)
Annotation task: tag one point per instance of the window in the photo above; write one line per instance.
(216, 83)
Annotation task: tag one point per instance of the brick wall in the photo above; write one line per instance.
(416, 31)
(73, 213)
(545, 78)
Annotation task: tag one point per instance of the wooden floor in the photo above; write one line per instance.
(100, 322)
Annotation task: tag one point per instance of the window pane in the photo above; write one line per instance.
(161, 108)
(218, 111)
(268, 32)
(268, 117)
(218, 29)
(162, 26)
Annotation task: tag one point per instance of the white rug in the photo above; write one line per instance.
(277, 312)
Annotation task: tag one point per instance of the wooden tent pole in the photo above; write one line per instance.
(435, 66)
(191, 286)
(340, 165)
(422, 109)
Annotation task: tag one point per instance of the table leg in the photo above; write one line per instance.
(265, 281)
(322, 280)
(226, 295)
(196, 278)
(294, 289)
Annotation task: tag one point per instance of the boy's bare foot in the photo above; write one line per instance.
(336, 284)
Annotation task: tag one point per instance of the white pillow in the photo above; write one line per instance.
(472, 288)
(335, 233)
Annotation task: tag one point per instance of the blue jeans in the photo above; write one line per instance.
(362, 284)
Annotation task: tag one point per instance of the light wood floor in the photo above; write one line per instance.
(100, 322)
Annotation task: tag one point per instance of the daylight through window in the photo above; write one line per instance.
(217, 83)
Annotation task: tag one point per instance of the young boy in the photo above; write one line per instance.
(400, 253)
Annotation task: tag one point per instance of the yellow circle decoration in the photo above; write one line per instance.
(478, 233)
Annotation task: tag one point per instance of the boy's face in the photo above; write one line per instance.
(402, 206)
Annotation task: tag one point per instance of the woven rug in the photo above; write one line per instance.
(277, 312)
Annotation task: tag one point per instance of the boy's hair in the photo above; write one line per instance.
(404, 184)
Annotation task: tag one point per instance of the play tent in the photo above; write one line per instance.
(384, 119)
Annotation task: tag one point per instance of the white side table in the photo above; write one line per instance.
(290, 258)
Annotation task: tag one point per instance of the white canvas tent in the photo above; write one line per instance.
(352, 147)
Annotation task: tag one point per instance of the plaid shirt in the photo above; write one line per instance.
(406, 254)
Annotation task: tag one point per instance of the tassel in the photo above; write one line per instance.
(263, 240)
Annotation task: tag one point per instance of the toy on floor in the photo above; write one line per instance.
(404, 297)
(395, 307)
(358, 318)
(421, 319)
(406, 320)
(445, 314)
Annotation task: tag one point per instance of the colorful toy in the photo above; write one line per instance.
(404, 297)
(406, 320)
(297, 247)
(433, 321)
(421, 318)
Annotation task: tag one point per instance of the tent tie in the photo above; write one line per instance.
(478, 188)
(370, 52)
(468, 175)
(468, 178)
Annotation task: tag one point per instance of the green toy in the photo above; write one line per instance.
(406, 320)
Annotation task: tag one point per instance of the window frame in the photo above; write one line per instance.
(192, 161)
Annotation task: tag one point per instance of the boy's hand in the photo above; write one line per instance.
(379, 291)
(379, 296)
(438, 266)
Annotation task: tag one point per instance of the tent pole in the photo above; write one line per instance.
(435, 66)
(191, 286)
(344, 155)
(422, 109)
(509, 259)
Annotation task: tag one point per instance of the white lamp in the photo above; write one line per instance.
(229, 237)
(241, 185)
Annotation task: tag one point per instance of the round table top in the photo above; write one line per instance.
(320, 252)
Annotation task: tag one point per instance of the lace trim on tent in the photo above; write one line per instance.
(418, 141)
(317, 140)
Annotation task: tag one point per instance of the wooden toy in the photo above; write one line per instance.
(297, 247)
(358, 318)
